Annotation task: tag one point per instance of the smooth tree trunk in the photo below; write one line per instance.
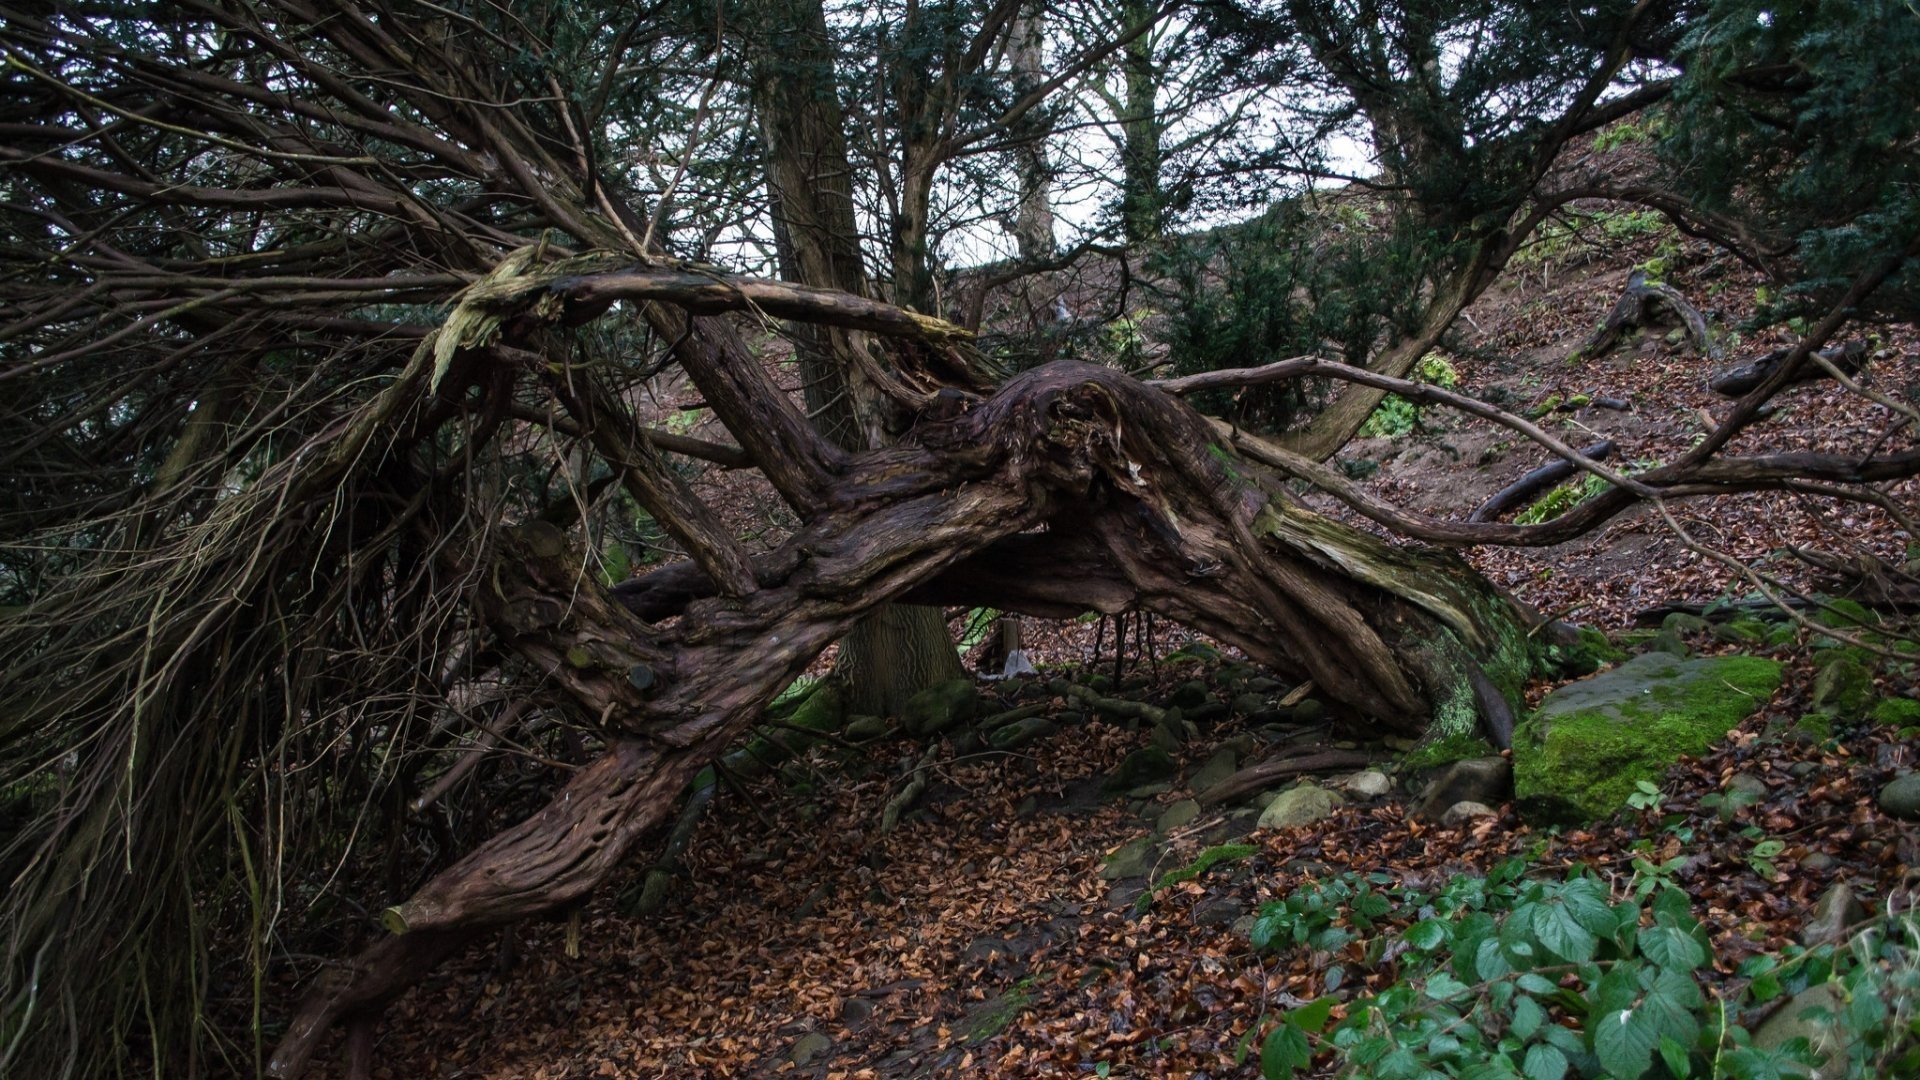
(896, 653)
(1141, 201)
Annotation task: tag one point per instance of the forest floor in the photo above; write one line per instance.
(981, 937)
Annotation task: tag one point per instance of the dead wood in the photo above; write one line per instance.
(1534, 482)
(1636, 308)
(1738, 381)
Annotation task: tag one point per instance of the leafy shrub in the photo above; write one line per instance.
(1396, 416)
(1501, 977)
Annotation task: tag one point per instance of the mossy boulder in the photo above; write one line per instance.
(1843, 688)
(939, 707)
(1580, 755)
(1441, 752)
(1896, 711)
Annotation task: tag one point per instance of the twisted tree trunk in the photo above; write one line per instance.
(1074, 486)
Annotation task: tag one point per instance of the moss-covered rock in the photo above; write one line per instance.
(1897, 711)
(1589, 650)
(939, 707)
(1843, 688)
(1580, 755)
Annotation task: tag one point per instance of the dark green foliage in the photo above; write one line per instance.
(1805, 119)
(1505, 977)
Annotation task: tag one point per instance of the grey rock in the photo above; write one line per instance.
(1022, 732)
(1484, 780)
(1844, 688)
(1149, 791)
(808, 1047)
(1221, 765)
(1834, 916)
(1666, 641)
(939, 707)
(1220, 911)
(1297, 806)
(1739, 792)
(1130, 859)
(1817, 861)
(1901, 798)
(1310, 711)
(1461, 812)
(855, 1011)
(1368, 784)
(1173, 817)
(1681, 622)
(1188, 694)
(1800, 770)
(1144, 766)
(1795, 1020)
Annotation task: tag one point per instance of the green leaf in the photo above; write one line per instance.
(1427, 934)
(1624, 1042)
(1312, 1017)
(1490, 961)
(1544, 1063)
(1674, 1055)
(1284, 1053)
(1672, 948)
(1527, 1018)
(1537, 984)
(1562, 933)
(1444, 987)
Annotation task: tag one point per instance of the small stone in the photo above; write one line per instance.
(939, 707)
(855, 1011)
(1149, 791)
(1248, 704)
(1741, 791)
(1299, 806)
(1400, 744)
(1465, 811)
(1260, 684)
(1901, 798)
(1188, 695)
(1028, 807)
(1130, 859)
(861, 728)
(1800, 770)
(1368, 784)
(1221, 765)
(1221, 911)
(1681, 622)
(1309, 711)
(1480, 780)
(1816, 861)
(1834, 916)
(1173, 817)
(1022, 732)
(809, 1046)
(1144, 766)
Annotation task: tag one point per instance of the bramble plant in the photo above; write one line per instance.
(1503, 976)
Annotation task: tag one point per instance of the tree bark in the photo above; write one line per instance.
(1075, 485)
(889, 657)
(1033, 208)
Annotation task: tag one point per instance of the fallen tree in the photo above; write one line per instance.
(322, 340)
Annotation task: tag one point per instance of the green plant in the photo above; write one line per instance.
(1561, 499)
(1396, 416)
(1505, 977)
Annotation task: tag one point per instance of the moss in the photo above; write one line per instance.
(1841, 613)
(1817, 726)
(1742, 631)
(1584, 751)
(1205, 861)
(1590, 651)
(1897, 711)
(1844, 688)
(1444, 751)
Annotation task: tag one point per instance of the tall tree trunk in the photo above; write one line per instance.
(1140, 197)
(895, 653)
(1033, 213)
